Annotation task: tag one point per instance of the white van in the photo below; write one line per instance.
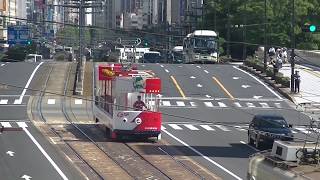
(33, 58)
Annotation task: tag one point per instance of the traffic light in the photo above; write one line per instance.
(310, 28)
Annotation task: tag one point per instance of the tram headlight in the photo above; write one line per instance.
(138, 121)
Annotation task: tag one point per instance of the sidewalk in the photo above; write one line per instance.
(309, 86)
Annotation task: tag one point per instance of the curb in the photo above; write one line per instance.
(286, 92)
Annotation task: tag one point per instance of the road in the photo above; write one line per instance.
(25, 153)
(207, 109)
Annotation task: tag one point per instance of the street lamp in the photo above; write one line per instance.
(293, 44)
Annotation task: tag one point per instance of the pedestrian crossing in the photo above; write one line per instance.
(13, 124)
(220, 104)
(225, 128)
(12, 100)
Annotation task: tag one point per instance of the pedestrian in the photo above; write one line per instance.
(272, 53)
(279, 61)
(285, 55)
(297, 80)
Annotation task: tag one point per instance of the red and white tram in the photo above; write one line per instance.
(118, 90)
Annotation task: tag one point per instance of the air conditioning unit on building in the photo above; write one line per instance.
(287, 150)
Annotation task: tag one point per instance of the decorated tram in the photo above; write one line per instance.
(127, 101)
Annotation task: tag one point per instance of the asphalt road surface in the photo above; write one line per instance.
(25, 153)
(207, 109)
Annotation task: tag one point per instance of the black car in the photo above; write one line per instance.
(264, 129)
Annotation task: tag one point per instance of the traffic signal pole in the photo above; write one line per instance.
(293, 44)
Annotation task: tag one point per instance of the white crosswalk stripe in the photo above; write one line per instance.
(166, 103)
(207, 127)
(223, 128)
(180, 103)
(264, 105)
(4, 101)
(250, 105)
(221, 104)
(302, 129)
(208, 104)
(163, 128)
(191, 127)
(237, 104)
(193, 104)
(175, 126)
(278, 105)
(5, 124)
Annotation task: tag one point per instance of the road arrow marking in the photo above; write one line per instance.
(26, 177)
(10, 153)
(257, 97)
(245, 86)
(192, 77)
(235, 78)
(199, 85)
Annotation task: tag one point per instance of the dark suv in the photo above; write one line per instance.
(264, 129)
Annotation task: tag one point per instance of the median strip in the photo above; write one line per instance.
(178, 87)
(223, 88)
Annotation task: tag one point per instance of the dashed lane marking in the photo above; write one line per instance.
(208, 104)
(180, 103)
(223, 128)
(207, 127)
(250, 105)
(5, 124)
(4, 101)
(51, 101)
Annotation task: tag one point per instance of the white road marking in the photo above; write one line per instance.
(257, 97)
(245, 86)
(180, 66)
(221, 104)
(302, 129)
(273, 92)
(143, 65)
(51, 101)
(208, 96)
(10, 153)
(175, 126)
(278, 105)
(205, 157)
(223, 128)
(207, 127)
(163, 128)
(192, 77)
(237, 104)
(199, 67)
(78, 101)
(193, 104)
(264, 105)
(250, 105)
(4, 101)
(26, 177)
(191, 127)
(161, 66)
(2, 65)
(206, 71)
(23, 125)
(167, 70)
(5, 124)
(180, 103)
(166, 103)
(199, 85)
(235, 78)
(208, 104)
(19, 101)
(240, 128)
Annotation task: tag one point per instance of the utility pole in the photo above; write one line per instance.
(293, 44)
(228, 30)
(265, 37)
(244, 32)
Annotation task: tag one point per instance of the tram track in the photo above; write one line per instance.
(102, 158)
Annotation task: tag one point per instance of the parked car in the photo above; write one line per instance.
(264, 129)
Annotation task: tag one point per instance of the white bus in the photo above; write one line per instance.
(201, 46)
(177, 54)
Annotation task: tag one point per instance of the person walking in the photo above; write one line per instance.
(297, 81)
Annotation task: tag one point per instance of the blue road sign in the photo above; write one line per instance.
(18, 35)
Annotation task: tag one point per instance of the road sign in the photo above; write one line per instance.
(18, 35)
